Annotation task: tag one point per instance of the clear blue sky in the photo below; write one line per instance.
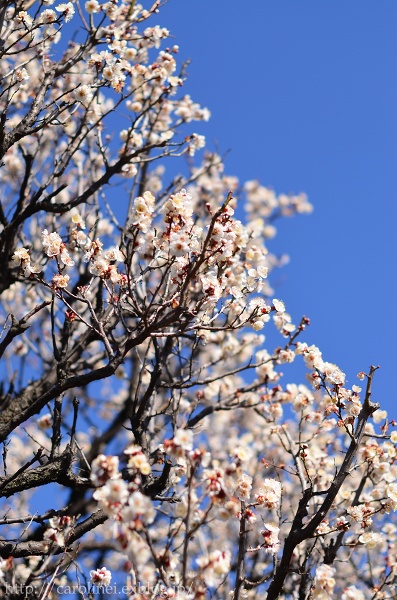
(304, 93)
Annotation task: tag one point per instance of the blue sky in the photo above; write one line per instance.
(304, 95)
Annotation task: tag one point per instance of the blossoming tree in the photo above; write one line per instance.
(150, 441)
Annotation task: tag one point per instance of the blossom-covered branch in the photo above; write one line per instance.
(151, 435)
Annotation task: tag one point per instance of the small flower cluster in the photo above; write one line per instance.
(214, 566)
(181, 444)
(101, 577)
(324, 583)
(313, 360)
(263, 201)
(58, 531)
(137, 460)
(104, 468)
(21, 259)
(271, 542)
(53, 246)
(269, 494)
(142, 212)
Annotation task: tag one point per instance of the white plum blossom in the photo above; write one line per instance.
(60, 280)
(371, 539)
(143, 210)
(324, 583)
(83, 93)
(244, 486)
(279, 305)
(47, 16)
(114, 255)
(92, 6)
(269, 494)
(21, 259)
(24, 18)
(270, 535)
(391, 492)
(101, 577)
(112, 496)
(104, 468)
(139, 508)
(137, 459)
(196, 141)
(67, 9)
(21, 74)
(181, 443)
(215, 566)
(352, 593)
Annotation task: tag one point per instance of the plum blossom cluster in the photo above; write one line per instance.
(21, 259)
(324, 583)
(101, 577)
(215, 566)
(271, 541)
(269, 494)
(58, 530)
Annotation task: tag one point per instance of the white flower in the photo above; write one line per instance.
(242, 453)
(104, 468)
(179, 243)
(21, 75)
(65, 258)
(269, 494)
(184, 438)
(67, 10)
(51, 243)
(54, 536)
(21, 259)
(391, 492)
(45, 422)
(101, 577)
(99, 267)
(47, 16)
(371, 539)
(3, 568)
(215, 566)
(379, 416)
(137, 459)
(24, 17)
(244, 486)
(20, 256)
(271, 542)
(258, 324)
(324, 582)
(333, 374)
(139, 508)
(129, 171)
(352, 593)
(278, 305)
(181, 443)
(77, 219)
(60, 281)
(114, 254)
(196, 142)
(92, 6)
(112, 495)
(83, 94)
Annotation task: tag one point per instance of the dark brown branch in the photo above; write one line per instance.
(18, 327)
(57, 470)
(24, 549)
